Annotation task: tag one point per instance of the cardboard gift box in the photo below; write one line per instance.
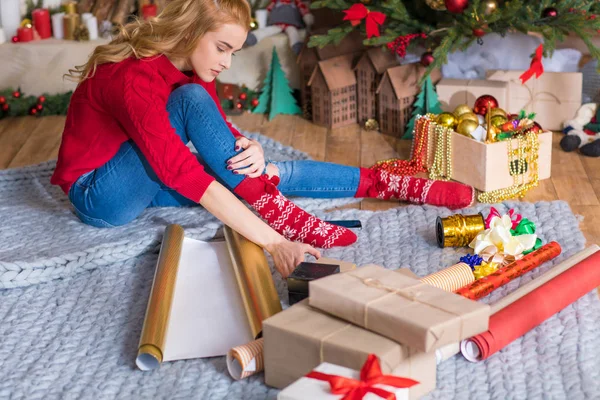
(314, 389)
(454, 92)
(555, 96)
(485, 166)
(300, 338)
(399, 307)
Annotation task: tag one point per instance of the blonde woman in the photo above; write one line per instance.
(150, 91)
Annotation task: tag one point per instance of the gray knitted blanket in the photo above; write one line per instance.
(77, 336)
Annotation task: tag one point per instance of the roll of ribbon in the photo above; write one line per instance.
(451, 278)
(529, 311)
(484, 286)
(246, 360)
(458, 230)
(70, 24)
(41, 22)
(70, 7)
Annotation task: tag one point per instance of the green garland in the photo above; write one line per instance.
(46, 104)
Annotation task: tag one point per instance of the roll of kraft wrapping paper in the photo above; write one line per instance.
(451, 278)
(484, 286)
(244, 361)
(534, 308)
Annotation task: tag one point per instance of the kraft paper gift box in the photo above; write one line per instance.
(300, 338)
(399, 307)
(485, 166)
(555, 96)
(454, 92)
(314, 389)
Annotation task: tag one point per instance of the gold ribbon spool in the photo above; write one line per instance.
(458, 230)
(70, 7)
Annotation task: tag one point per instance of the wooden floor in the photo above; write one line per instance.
(576, 179)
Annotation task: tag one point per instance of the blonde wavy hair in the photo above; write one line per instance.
(174, 33)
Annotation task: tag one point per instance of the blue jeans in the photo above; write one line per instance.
(120, 190)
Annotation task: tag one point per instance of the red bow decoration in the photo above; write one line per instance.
(536, 66)
(370, 374)
(514, 217)
(358, 12)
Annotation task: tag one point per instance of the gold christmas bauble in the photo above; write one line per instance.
(467, 127)
(438, 5)
(446, 119)
(462, 109)
(490, 6)
(498, 111)
(253, 24)
(371, 125)
(498, 120)
(469, 115)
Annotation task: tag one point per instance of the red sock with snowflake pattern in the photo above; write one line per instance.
(384, 185)
(287, 218)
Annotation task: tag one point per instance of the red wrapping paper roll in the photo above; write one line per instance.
(484, 286)
(529, 311)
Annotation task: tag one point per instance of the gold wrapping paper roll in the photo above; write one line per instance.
(70, 24)
(254, 279)
(246, 360)
(154, 331)
(458, 230)
(452, 278)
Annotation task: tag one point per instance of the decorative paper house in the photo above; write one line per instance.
(396, 93)
(369, 71)
(333, 92)
(309, 57)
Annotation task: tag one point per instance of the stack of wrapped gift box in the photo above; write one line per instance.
(362, 313)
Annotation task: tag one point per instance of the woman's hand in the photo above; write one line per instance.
(287, 255)
(249, 162)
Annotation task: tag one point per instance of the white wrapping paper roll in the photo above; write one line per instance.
(10, 16)
(92, 25)
(57, 25)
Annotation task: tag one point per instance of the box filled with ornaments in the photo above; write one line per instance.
(498, 153)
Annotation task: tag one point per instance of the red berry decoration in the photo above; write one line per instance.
(39, 107)
(478, 32)
(483, 102)
(254, 102)
(427, 58)
(550, 12)
(2, 99)
(16, 94)
(41, 99)
(456, 6)
(5, 107)
(33, 111)
(243, 96)
(15, 39)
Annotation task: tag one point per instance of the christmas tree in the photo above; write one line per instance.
(276, 96)
(426, 102)
(450, 25)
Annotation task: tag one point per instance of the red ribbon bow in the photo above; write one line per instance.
(536, 66)
(514, 217)
(370, 375)
(358, 12)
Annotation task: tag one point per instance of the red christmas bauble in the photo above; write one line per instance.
(550, 12)
(41, 99)
(478, 32)
(456, 6)
(243, 96)
(16, 94)
(15, 39)
(33, 111)
(5, 107)
(483, 102)
(2, 99)
(254, 102)
(537, 128)
(427, 58)
(39, 107)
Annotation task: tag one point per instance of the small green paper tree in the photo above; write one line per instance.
(276, 96)
(426, 102)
